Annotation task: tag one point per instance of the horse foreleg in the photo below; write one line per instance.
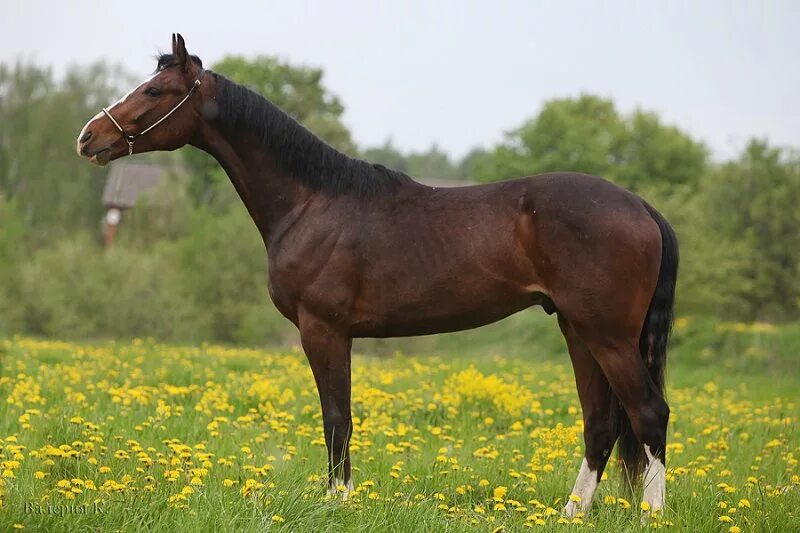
(328, 352)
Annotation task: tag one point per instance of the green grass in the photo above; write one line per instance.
(429, 430)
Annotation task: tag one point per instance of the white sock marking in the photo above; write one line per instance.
(333, 488)
(585, 487)
(654, 481)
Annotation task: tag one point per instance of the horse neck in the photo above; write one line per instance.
(269, 193)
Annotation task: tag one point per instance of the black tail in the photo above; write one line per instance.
(652, 344)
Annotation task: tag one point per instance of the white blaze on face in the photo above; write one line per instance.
(654, 481)
(122, 100)
(112, 106)
(583, 492)
(83, 131)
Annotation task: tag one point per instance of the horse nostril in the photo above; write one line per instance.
(86, 136)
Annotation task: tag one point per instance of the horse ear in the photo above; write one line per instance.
(179, 50)
(174, 44)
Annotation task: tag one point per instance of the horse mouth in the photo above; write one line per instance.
(101, 157)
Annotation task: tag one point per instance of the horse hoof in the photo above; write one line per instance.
(341, 489)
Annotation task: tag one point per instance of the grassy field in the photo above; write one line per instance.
(140, 436)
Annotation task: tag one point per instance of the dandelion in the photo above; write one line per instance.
(278, 519)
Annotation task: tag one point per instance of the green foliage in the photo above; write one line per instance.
(587, 134)
(208, 284)
(13, 248)
(753, 206)
(40, 117)
(432, 164)
(223, 265)
(77, 290)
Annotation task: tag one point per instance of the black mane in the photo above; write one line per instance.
(315, 163)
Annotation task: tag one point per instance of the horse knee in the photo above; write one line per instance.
(338, 427)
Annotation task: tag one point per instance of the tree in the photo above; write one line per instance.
(55, 191)
(587, 134)
(752, 204)
(387, 155)
(430, 164)
(297, 90)
(655, 153)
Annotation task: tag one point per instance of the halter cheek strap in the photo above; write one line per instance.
(131, 138)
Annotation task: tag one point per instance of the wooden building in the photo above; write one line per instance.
(126, 183)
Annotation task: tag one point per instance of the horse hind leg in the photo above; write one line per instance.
(645, 409)
(600, 432)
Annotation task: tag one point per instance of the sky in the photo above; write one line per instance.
(460, 74)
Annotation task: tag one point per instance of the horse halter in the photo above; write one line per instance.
(131, 138)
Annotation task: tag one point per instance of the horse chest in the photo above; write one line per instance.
(326, 289)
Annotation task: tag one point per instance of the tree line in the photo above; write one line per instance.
(189, 264)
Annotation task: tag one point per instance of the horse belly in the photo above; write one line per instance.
(437, 306)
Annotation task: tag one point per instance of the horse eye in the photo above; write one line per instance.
(152, 91)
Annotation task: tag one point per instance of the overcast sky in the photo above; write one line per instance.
(461, 73)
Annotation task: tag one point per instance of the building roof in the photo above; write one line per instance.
(127, 182)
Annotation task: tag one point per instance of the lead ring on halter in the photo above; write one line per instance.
(131, 138)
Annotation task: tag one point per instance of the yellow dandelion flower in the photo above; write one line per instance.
(499, 492)
(744, 502)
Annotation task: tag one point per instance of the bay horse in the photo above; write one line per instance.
(358, 250)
